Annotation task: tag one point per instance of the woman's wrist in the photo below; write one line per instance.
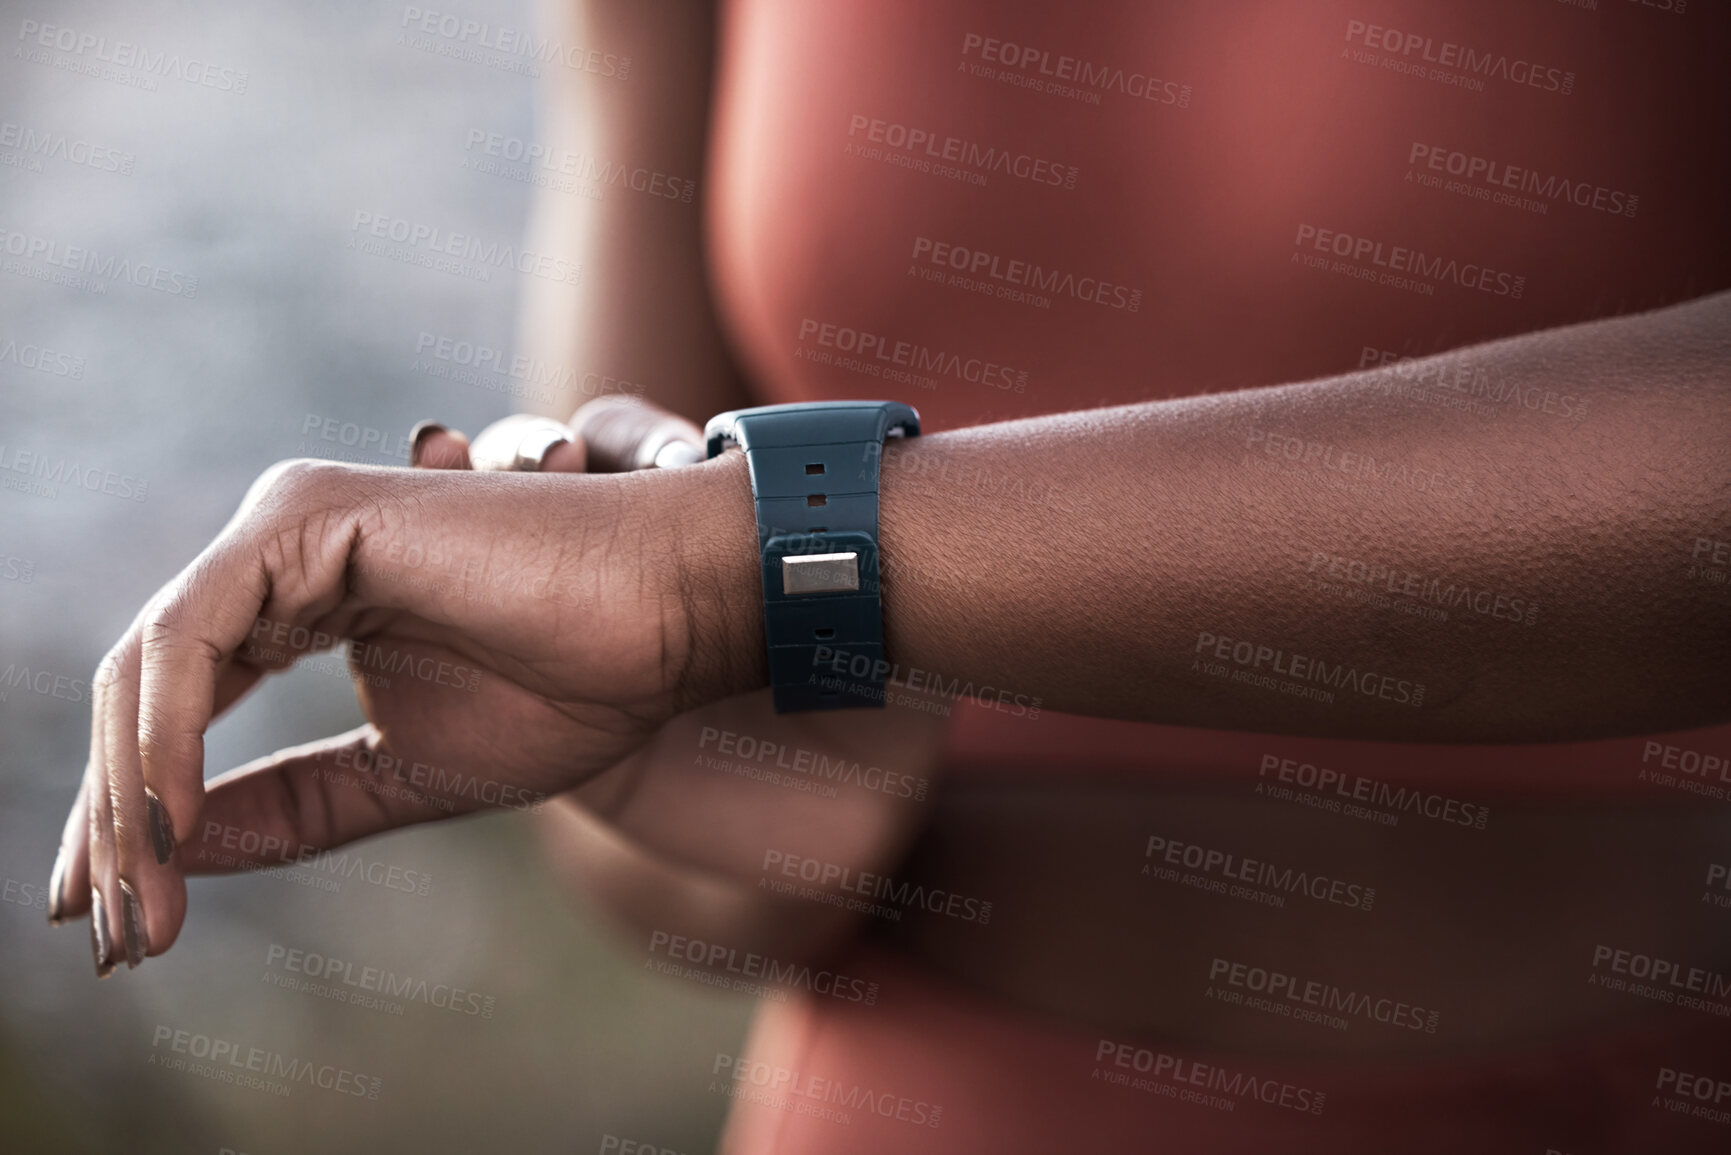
(703, 535)
(701, 538)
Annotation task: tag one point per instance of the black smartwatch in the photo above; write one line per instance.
(814, 477)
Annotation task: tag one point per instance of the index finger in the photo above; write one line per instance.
(201, 618)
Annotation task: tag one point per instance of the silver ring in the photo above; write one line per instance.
(517, 444)
(536, 442)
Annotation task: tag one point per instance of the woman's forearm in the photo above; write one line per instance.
(1501, 543)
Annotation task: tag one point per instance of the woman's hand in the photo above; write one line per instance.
(611, 434)
(672, 839)
(514, 635)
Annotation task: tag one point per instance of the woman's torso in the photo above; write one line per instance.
(993, 212)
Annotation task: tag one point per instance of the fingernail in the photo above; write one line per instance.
(137, 933)
(99, 942)
(56, 883)
(161, 829)
(419, 434)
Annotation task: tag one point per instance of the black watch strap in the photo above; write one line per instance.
(814, 477)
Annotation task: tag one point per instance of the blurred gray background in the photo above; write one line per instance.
(292, 345)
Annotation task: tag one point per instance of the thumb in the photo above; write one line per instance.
(307, 798)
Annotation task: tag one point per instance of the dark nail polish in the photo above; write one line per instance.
(132, 918)
(419, 434)
(56, 889)
(161, 829)
(99, 941)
